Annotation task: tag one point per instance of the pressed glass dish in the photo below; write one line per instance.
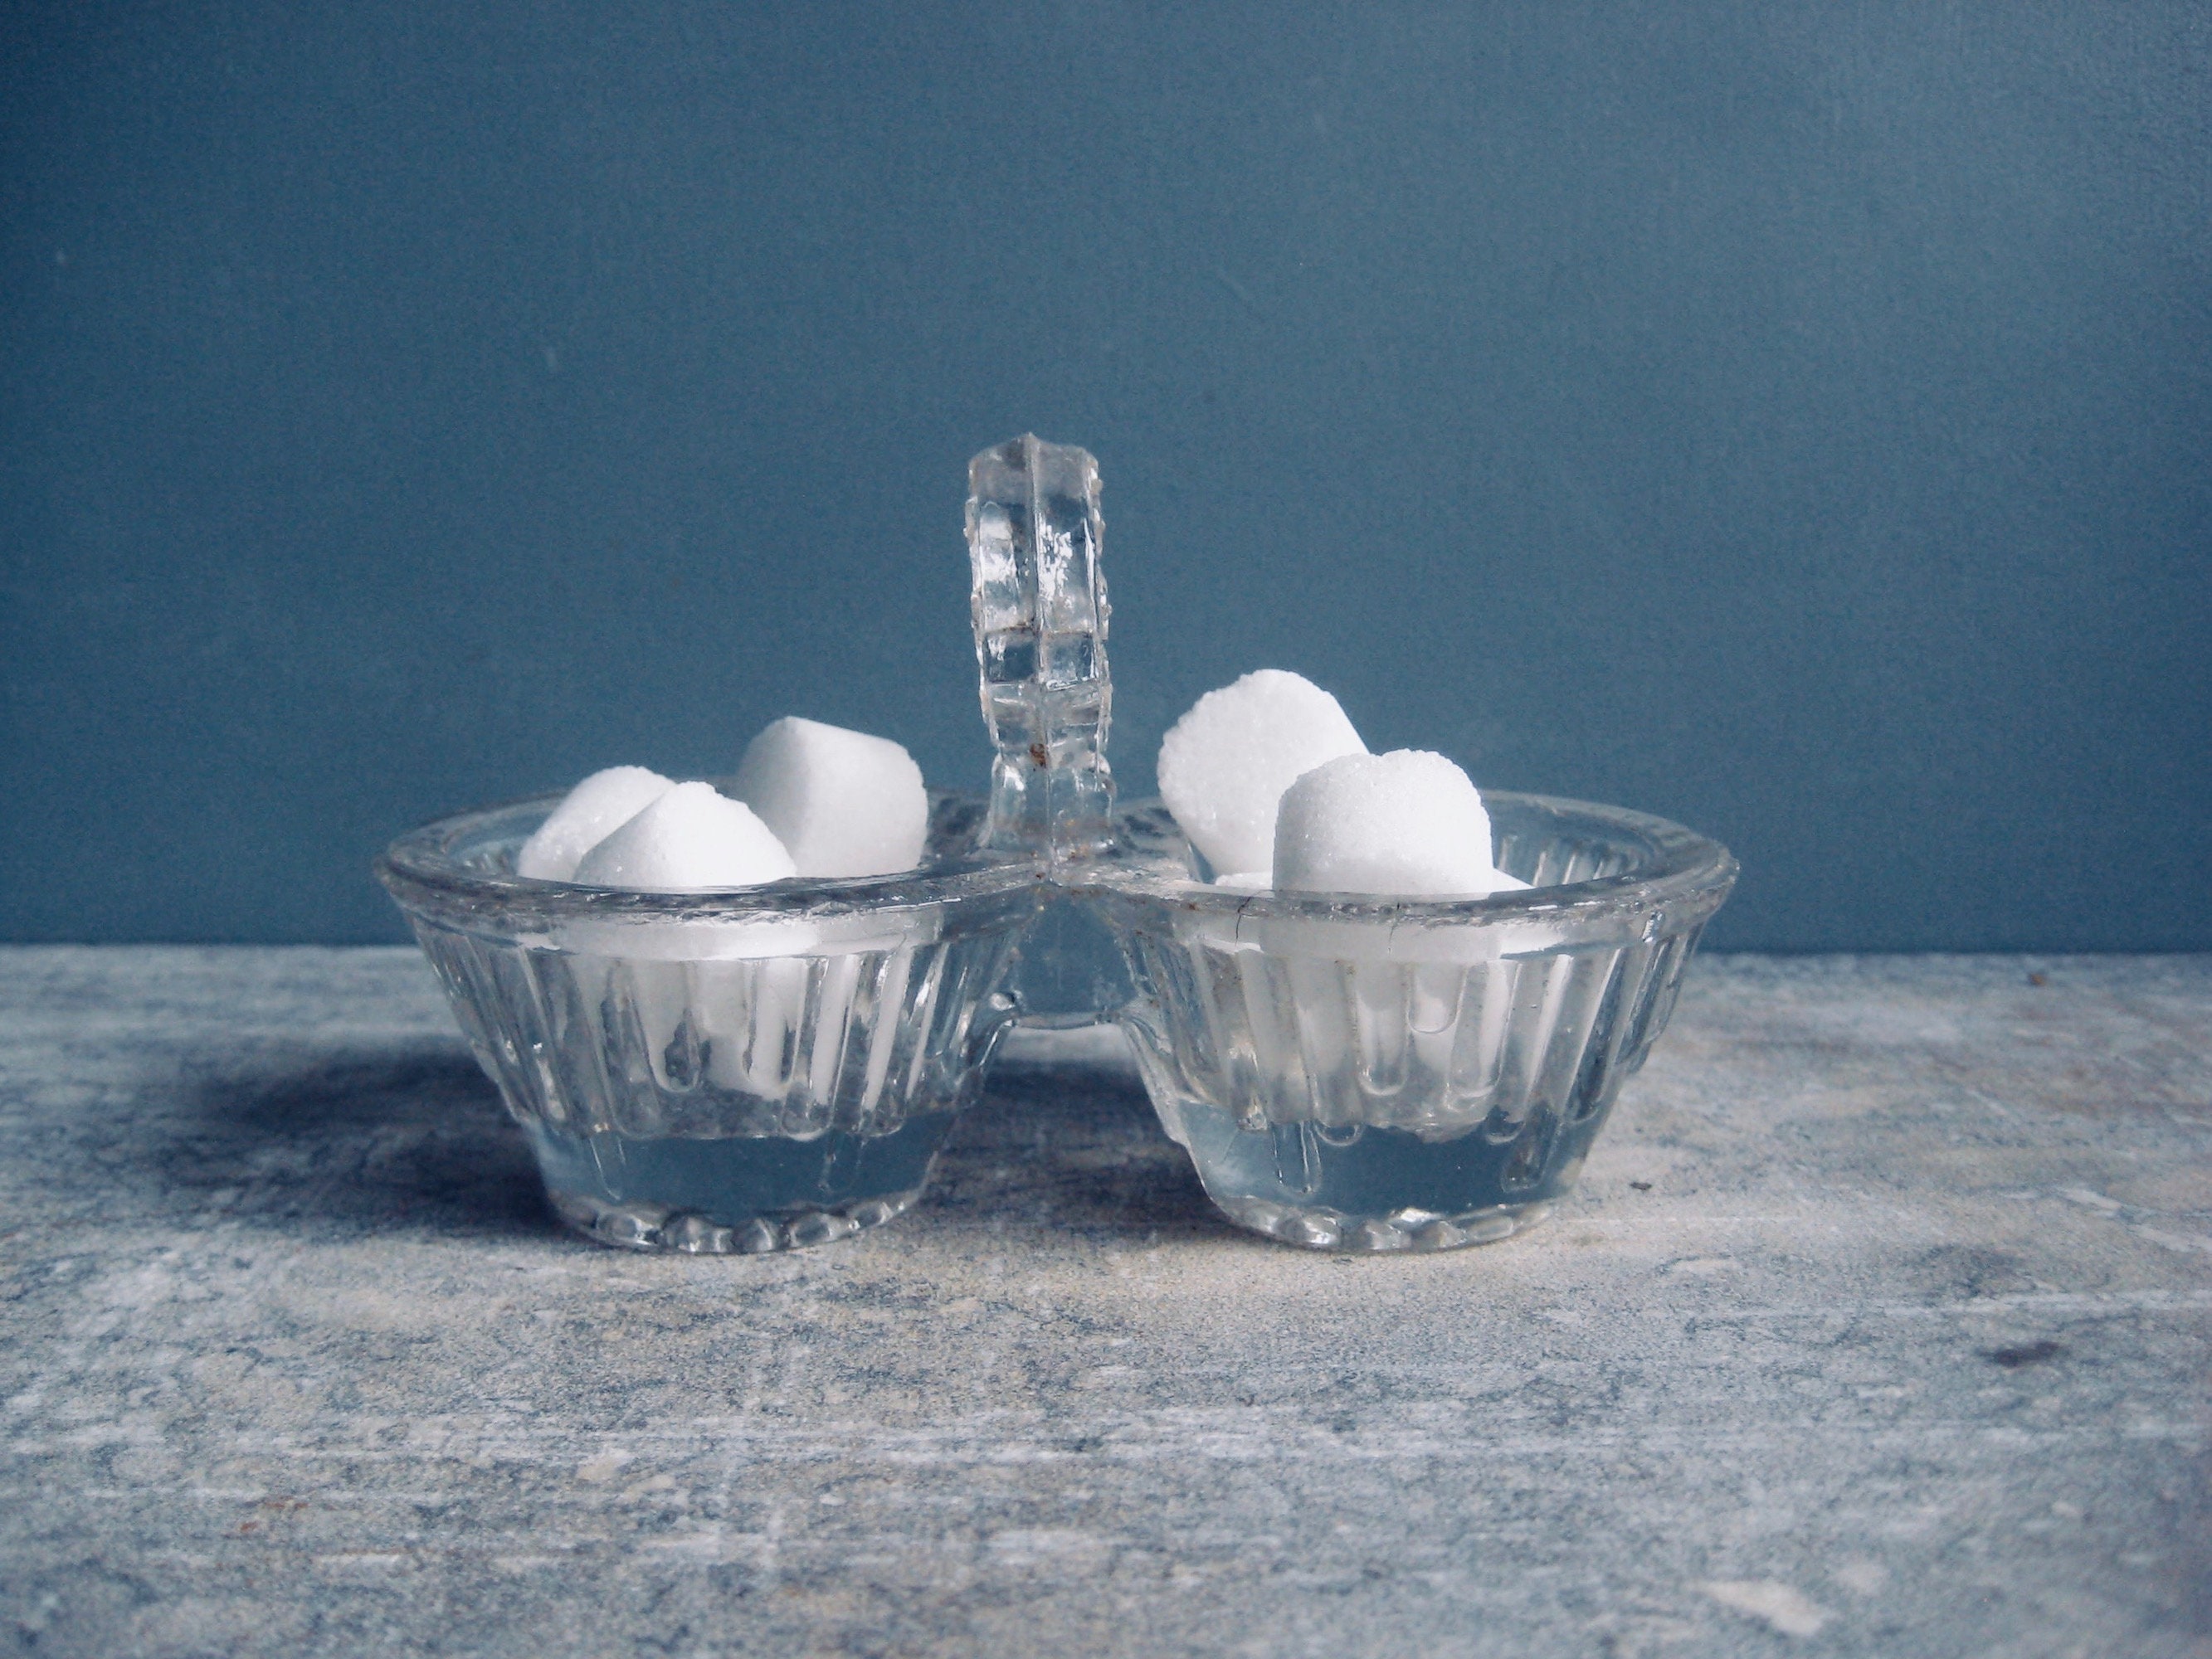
(762, 1068)
(773, 1067)
(741, 1071)
(1351, 1073)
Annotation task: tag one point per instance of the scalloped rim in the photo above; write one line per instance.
(1686, 869)
(422, 874)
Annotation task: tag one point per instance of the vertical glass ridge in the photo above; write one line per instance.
(1038, 603)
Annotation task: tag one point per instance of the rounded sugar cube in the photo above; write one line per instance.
(586, 816)
(1223, 766)
(690, 839)
(1408, 823)
(843, 802)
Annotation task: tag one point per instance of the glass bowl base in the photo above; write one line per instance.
(1369, 1188)
(736, 1195)
(643, 1225)
(1317, 1227)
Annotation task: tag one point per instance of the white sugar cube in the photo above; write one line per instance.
(1409, 823)
(1223, 766)
(692, 839)
(844, 803)
(590, 813)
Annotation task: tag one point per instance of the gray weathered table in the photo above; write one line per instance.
(1878, 1326)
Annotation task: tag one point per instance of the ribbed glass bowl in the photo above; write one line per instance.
(736, 1071)
(1356, 1073)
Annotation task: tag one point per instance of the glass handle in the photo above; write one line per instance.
(1039, 607)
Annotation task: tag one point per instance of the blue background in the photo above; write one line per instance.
(1790, 420)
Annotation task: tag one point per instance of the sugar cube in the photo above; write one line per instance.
(691, 839)
(1223, 766)
(843, 802)
(590, 813)
(1408, 823)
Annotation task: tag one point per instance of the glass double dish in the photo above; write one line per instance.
(762, 1068)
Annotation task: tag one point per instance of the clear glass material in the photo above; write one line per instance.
(1038, 600)
(1356, 1073)
(745, 1071)
(773, 1067)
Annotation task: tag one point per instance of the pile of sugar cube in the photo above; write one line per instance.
(1270, 780)
(1268, 777)
(810, 800)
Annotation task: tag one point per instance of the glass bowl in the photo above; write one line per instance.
(746, 1070)
(1351, 1073)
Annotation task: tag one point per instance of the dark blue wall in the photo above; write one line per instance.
(1793, 419)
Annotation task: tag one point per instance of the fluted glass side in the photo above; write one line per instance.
(743, 1071)
(1362, 1074)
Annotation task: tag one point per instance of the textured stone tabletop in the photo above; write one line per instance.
(1878, 1326)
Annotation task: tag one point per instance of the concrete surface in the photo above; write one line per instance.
(1878, 1326)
